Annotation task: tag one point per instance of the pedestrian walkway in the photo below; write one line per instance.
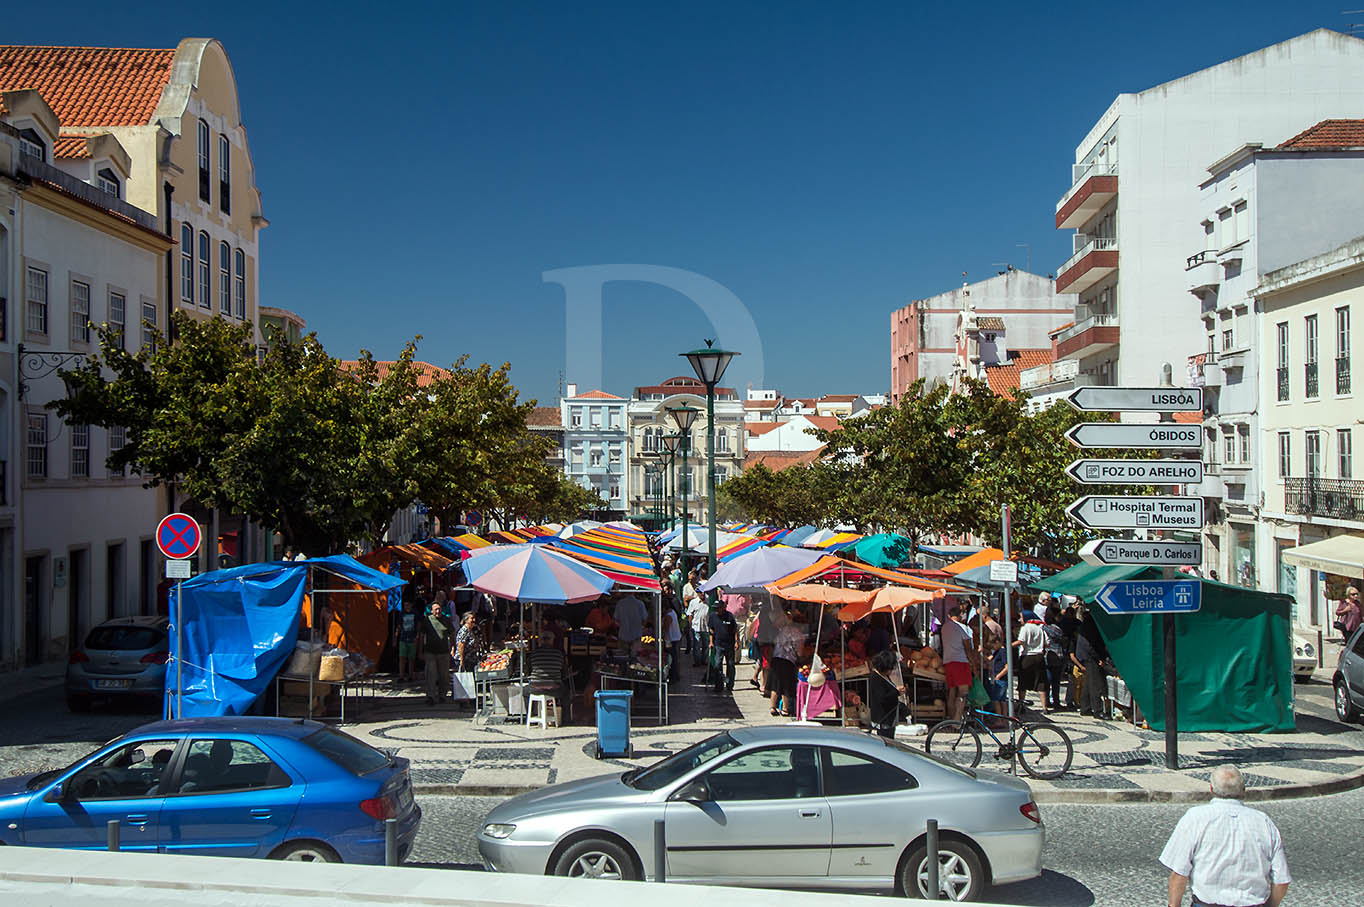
(1113, 761)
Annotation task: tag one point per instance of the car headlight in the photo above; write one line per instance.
(497, 831)
(1307, 650)
(1298, 650)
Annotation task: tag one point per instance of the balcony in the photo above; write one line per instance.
(1205, 371)
(1202, 272)
(1341, 499)
(1096, 259)
(1087, 336)
(1310, 386)
(1094, 186)
(1050, 373)
(1342, 374)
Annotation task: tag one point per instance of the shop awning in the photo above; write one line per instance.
(1340, 554)
(1085, 580)
(837, 571)
(971, 561)
(817, 593)
(417, 555)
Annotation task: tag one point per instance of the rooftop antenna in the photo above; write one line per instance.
(1027, 255)
(1353, 29)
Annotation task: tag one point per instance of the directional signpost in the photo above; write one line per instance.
(1165, 597)
(1099, 511)
(1105, 552)
(178, 537)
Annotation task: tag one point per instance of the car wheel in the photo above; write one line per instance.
(1345, 709)
(77, 702)
(960, 875)
(306, 852)
(596, 858)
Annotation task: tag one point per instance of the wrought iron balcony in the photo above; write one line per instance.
(1283, 383)
(1342, 499)
(1342, 374)
(1310, 379)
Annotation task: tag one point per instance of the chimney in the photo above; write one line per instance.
(572, 389)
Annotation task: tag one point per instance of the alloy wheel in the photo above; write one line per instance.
(954, 876)
(595, 865)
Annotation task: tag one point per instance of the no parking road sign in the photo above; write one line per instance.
(177, 536)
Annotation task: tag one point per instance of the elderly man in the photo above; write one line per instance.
(1229, 854)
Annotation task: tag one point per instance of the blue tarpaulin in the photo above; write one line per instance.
(241, 625)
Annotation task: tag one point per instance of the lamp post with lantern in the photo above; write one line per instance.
(670, 443)
(709, 364)
(684, 417)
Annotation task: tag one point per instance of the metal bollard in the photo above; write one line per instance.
(1321, 656)
(660, 852)
(390, 842)
(112, 827)
(933, 890)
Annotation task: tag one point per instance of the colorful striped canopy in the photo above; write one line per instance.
(534, 573)
(741, 544)
(837, 571)
(979, 559)
(622, 554)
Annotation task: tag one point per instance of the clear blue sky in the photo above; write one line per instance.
(421, 168)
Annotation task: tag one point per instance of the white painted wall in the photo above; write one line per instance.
(790, 435)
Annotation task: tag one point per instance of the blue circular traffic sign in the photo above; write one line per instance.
(177, 535)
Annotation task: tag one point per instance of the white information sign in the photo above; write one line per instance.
(1138, 512)
(1136, 472)
(1003, 571)
(1102, 552)
(1165, 435)
(1137, 399)
(177, 569)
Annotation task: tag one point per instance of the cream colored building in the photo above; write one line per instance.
(1310, 419)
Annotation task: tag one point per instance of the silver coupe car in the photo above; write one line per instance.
(779, 806)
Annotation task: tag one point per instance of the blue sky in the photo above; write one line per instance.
(826, 165)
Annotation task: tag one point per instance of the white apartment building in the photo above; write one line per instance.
(75, 537)
(1262, 210)
(793, 435)
(595, 444)
(1309, 421)
(1135, 185)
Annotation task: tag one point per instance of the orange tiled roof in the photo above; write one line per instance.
(1328, 134)
(761, 404)
(777, 460)
(70, 148)
(598, 395)
(828, 423)
(545, 417)
(426, 372)
(1003, 378)
(761, 428)
(838, 398)
(1194, 418)
(1056, 330)
(90, 86)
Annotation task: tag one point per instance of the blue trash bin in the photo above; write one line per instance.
(613, 723)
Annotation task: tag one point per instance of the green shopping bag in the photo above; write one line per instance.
(976, 697)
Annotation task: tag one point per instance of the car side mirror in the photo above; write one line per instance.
(697, 791)
(56, 793)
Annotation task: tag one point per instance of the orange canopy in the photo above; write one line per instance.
(834, 568)
(818, 593)
(417, 555)
(888, 598)
(972, 561)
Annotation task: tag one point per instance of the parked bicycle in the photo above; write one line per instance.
(1042, 749)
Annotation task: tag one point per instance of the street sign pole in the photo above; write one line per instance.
(178, 538)
(1168, 619)
(1006, 531)
(179, 648)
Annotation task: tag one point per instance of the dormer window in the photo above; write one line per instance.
(108, 182)
(32, 144)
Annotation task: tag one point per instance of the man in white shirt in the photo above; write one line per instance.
(698, 618)
(1228, 854)
(630, 617)
(956, 654)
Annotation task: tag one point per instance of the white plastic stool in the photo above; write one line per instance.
(548, 714)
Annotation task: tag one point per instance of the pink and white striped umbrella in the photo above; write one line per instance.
(533, 573)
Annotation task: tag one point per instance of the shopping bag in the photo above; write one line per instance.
(976, 696)
(463, 685)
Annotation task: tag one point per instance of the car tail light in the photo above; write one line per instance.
(379, 808)
(155, 658)
(78, 657)
(1031, 811)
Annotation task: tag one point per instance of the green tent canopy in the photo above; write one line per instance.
(1085, 580)
(884, 549)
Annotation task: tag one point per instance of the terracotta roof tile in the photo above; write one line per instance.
(1003, 378)
(990, 323)
(70, 148)
(828, 423)
(681, 385)
(1059, 328)
(426, 372)
(760, 428)
(838, 398)
(1194, 418)
(545, 417)
(761, 404)
(777, 460)
(597, 395)
(1328, 134)
(90, 86)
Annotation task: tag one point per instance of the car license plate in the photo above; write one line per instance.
(113, 684)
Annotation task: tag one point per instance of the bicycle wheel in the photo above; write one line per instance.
(1044, 750)
(956, 742)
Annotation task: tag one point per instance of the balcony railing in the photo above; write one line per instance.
(1049, 373)
(1283, 383)
(1199, 258)
(1342, 374)
(1092, 244)
(1081, 172)
(1342, 499)
(1310, 379)
(1097, 320)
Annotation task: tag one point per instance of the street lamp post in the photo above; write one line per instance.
(670, 443)
(684, 417)
(709, 365)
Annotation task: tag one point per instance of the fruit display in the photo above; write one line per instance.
(495, 661)
(648, 641)
(925, 659)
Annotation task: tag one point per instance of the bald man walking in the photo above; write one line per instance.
(1225, 853)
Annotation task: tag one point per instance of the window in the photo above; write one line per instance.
(594, 458)
(1228, 340)
(1243, 436)
(187, 263)
(614, 453)
(721, 475)
(1310, 348)
(665, 772)
(217, 766)
(615, 492)
(80, 312)
(32, 145)
(614, 415)
(118, 438)
(1345, 453)
(224, 278)
(224, 175)
(721, 441)
(36, 446)
(1285, 454)
(577, 456)
(775, 773)
(149, 331)
(1343, 350)
(850, 775)
(1228, 446)
(204, 194)
(1226, 229)
(353, 755)
(35, 294)
(575, 417)
(1281, 333)
(80, 451)
(596, 417)
(1241, 216)
(131, 771)
(240, 292)
(107, 182)
(118, 315)
(1313, 454)
(204, 302)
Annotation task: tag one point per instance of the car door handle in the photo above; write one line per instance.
(138, 819)
(260, 813)
(809, 814)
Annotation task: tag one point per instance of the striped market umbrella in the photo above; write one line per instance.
(533, 573)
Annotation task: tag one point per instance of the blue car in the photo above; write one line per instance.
(282, 788)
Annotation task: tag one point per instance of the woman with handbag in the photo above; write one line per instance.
(1348, 614)
(883, 695)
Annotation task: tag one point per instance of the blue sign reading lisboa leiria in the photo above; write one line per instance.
(1151, 596)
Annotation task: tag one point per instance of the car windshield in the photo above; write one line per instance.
(353, 755)
(920, 754)
(123, 638)
(675, 766)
